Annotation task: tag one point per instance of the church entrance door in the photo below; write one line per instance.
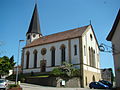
(43, 65)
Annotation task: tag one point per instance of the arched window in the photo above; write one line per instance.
(94, 64)
(35, 58)
(92, 57)
(27, 59)
(84, 50)
(91, 37)
(75, 49)
(62, 53)
(52, 56)
(93, 78)
(90, 61)
(86, 80)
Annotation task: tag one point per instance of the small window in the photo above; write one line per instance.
(28, 37)
(91, 37)
(75, 49)
(34, 35)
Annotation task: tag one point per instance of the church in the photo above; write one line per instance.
(78, 46)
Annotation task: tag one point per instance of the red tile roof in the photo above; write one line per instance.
(58, 36)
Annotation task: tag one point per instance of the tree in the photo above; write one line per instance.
(6, 64)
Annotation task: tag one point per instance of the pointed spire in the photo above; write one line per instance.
(35, 24)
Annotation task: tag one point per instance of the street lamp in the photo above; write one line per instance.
(18, 60)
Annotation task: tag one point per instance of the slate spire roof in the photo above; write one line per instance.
(34, 26)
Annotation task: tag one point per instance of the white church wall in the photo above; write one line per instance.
(87, 42)
(47, 56)
(75, 59)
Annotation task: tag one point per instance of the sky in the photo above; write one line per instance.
(56, 16)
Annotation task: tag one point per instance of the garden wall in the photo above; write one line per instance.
(54, 81)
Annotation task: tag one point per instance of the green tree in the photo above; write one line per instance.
(6, 64)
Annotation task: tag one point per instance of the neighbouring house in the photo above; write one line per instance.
(114, 37)
(19, 69)
(107, 74)
(78, 46)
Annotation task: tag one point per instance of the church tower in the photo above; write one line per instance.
(34, 31)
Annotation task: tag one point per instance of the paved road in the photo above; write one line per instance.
(38, 87)
(26, 86)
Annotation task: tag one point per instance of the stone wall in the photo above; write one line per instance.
(55, 81)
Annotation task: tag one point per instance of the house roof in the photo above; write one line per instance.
(34, 26)
(58, 36)
(110, 35)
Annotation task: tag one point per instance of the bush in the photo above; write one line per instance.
(57, 72)
(65, 70)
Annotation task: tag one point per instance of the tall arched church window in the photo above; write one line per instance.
(84, 50)
(62, 53)
(75, 49)
(90, 56)
(35, 58)
(52, 56)
(27, 59)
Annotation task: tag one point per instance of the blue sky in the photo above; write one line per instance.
(56, 16)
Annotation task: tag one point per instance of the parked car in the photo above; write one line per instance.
(106, 83)
(3, 84)
(97, 85)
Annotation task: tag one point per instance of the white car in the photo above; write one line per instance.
(3, 84)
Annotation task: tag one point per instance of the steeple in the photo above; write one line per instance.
(34, 27)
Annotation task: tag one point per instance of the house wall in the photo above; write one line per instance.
(116, 53)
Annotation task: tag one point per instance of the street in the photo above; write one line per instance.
(26, 86)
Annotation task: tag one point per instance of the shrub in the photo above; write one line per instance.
(65, 70)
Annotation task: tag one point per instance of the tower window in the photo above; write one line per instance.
(28, 37)
(34, 35)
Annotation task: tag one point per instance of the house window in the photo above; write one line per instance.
(27, 59)
(35, 58)
(52, 56)
(75, 49)
(62, 53)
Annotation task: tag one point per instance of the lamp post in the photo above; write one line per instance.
(18, 61)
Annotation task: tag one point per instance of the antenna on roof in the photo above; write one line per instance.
(90, 22)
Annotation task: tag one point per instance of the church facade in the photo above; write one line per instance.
(78, 46)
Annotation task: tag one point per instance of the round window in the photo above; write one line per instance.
(43, 51)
